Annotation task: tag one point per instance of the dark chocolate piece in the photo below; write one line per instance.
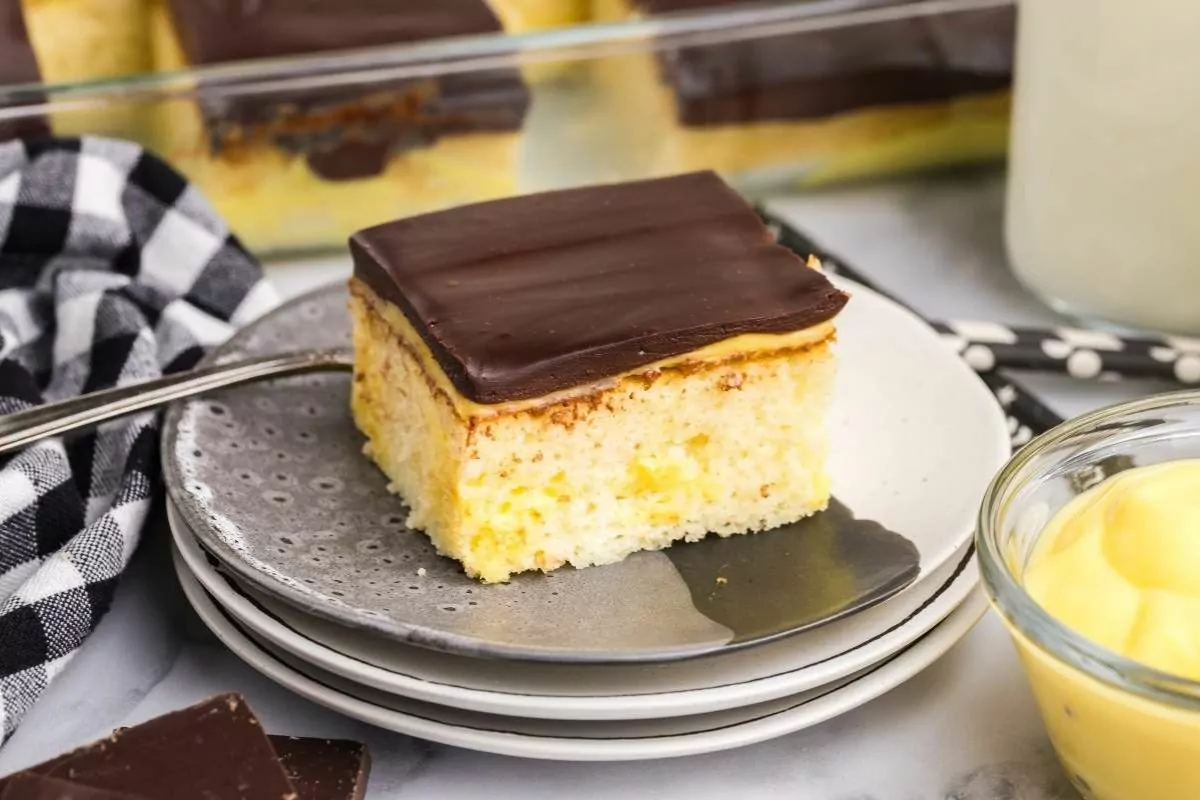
(324, 769)
(819, 73)
(18, 65)
(521, 297)
(345, 132)
(31, 786)
(215, 749)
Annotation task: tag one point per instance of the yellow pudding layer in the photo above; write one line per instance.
(866, 142)
(727, 440)
(1120, 564)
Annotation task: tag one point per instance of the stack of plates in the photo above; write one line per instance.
(292, 551)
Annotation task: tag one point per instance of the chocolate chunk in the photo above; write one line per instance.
(18, 65)
(324, 769)
(30, 786)
(215, 749)
(345, 132)
(521, 297)
(914, 59)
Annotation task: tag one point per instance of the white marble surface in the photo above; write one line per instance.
(965, 729)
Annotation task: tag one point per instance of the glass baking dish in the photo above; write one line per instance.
(299, 152)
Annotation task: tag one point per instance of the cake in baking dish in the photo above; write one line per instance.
(813, 106)
(313, 164)
(574, 376)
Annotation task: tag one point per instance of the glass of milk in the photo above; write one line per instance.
(1103, 207)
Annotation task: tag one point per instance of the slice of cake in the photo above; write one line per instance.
(286, 161)
(573, 376)
(812, 106)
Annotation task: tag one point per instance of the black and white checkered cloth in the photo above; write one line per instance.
(113, 269)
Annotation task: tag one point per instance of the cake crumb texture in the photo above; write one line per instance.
(727, 447)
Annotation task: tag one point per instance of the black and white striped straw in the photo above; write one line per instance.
(1080, 353)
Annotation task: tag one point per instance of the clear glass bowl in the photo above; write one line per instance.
(297, 153)
(1123, 731)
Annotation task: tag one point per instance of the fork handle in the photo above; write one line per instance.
(23, 428)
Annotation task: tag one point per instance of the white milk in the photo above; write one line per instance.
(1103, 216)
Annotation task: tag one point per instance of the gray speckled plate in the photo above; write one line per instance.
(271, 479)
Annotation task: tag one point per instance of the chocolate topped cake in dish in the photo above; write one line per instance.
(314, 162)
(574, 376)
(834, 102)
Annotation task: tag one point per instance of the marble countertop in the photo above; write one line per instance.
(965, 729)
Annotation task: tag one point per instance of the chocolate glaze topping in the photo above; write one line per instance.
(18, 65)
(346, 132)
(521, 297)
(824, 72)
(218, 31)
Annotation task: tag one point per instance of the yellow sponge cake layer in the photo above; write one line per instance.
(723, 445)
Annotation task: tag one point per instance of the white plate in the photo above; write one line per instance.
(271, 479)
(592, 692)
(585, 741)
(548, 691)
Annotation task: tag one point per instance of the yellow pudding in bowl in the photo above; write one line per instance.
(288, 157)
(1089, 545)
(1121, 564)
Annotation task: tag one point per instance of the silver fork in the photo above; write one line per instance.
(23, 428)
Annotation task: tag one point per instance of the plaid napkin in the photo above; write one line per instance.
(112, 270)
